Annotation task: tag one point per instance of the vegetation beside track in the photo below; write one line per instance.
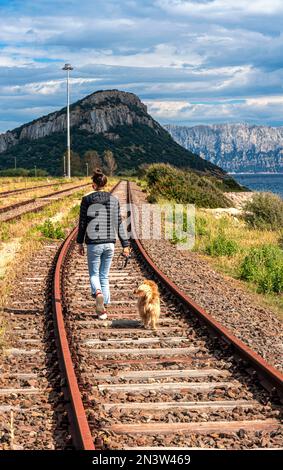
(245, 253)
(167, 182)
(248, 248)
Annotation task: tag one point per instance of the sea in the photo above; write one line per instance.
(261, 182)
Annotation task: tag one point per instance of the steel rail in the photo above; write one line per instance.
(23, 190)
(270, 375)
(30, 201)
(80, 430)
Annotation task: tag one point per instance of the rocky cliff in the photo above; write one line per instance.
(105, 120)
(97, 113)
(235, 147)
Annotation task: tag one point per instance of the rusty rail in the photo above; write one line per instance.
(81, 434)
(30, 201)
(24, 190)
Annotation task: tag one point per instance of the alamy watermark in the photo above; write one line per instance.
(174, 222)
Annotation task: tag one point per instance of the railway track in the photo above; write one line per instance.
(15, 211)
(13, 192)
(191, 384)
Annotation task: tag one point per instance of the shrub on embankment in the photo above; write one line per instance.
(221, 245)
(185, 187)
(50, 230)
(264, 267)
(265, 211)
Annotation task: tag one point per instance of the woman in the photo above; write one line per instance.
(100, 221)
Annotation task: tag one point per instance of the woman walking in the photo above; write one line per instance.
(100, 221)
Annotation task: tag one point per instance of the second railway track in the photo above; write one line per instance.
(132, 388)
(13, 192)
(15, 211)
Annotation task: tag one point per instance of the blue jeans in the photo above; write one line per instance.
(99, 258)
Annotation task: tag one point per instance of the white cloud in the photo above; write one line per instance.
(167, 109)
(187, 111)
(220, 8)
(47, 88)
(225, 111)
(265, 100)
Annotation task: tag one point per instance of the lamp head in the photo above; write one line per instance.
(67, 67)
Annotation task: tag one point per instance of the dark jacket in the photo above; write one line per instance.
(100, 220)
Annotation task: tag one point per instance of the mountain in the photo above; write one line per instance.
(113, 120)
(235, 147)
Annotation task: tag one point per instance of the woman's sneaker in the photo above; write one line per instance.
(100, 309)
(102, 316)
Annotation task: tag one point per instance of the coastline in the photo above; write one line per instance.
(256, 174)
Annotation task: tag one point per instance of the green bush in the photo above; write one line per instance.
(15, 172)
(23, 172)
(152, 198)
(185, 187)
(201, 226)
(264, 267)
(222, 246)
(265, 211)
(188, 226)
(51, 230)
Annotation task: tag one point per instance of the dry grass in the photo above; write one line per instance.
(236, 230)
(236, 227)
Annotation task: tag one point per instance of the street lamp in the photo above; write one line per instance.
(68, 68)
(64, 165)
(86, 169)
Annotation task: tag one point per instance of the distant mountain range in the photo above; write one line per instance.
(105, 120)
(237, 148)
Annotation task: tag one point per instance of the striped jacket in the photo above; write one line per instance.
(100, 220)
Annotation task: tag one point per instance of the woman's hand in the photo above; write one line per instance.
(81, 249)
(126, 251)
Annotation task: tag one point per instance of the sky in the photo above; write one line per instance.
(190, 61)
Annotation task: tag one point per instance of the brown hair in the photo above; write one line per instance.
(99, 178)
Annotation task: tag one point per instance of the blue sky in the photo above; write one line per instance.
(191, 61)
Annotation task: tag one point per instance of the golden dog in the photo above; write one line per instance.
(148, 303)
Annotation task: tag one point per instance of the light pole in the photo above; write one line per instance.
(35, 172)
(86, 169)
(68, 68)
(64, 163)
